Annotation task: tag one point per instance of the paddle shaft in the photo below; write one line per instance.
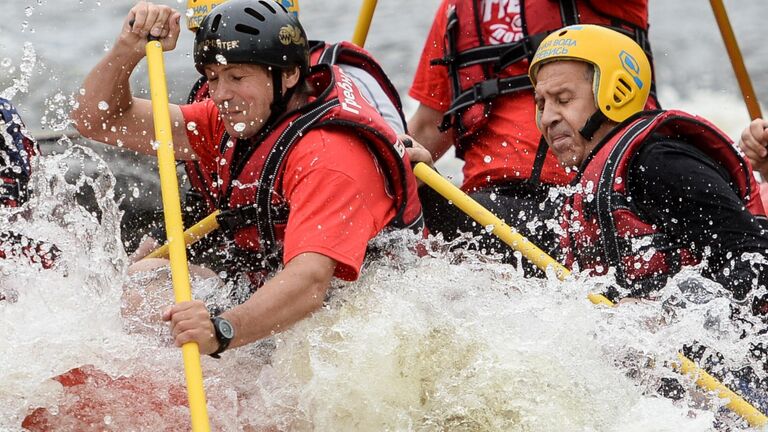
(734, 53)
(364, 22)
(543, 261)
(173, 224)
(192, 235)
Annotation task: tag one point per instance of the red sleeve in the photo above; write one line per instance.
(634, 11)
(337, 199)
(204, 131)
(430, 84)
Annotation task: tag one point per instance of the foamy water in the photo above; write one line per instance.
(451, 341)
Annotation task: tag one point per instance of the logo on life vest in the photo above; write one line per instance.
(290, 34)
(349, 102)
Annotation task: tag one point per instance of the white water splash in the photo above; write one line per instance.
(21, 84)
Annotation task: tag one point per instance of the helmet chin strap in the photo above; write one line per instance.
(592, 125)
(280, 100)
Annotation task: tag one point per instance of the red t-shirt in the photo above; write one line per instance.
(505, 148)
(332, 183)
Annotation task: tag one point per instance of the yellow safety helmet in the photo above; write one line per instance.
(198, 9)
(622, 80)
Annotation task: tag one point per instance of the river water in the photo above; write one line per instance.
(451, 341)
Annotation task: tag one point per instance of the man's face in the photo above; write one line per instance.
(564, 103)
(243, 93)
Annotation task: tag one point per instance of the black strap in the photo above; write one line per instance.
(266, 217)
(192, 97)
(569, 13)
(538, 162)
(592, 125)
(604, 196)
(484, 91)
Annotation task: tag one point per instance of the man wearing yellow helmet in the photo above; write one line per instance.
(474, 95)
(655, 190)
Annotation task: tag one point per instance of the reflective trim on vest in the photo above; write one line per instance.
(603, 227)
(256, 211)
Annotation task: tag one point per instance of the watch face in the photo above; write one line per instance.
(225, 328)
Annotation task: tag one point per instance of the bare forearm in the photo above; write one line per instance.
(423, 127)
(293, 294)
(105, 94)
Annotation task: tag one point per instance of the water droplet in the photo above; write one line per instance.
(103, 105)
(489, 228)
(135, 192)
(6, 62)
(155, 145)
(487, 159)
(191, 126)
(221, 59)
(239, 127)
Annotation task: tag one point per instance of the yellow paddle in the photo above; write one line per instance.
(364, 22)
(192, 235)
(736, 60)
(540, 258)
(174, 228)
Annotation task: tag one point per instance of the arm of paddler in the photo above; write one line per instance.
(106, 109)
(423, 127)
(293, 294)
(754, 143)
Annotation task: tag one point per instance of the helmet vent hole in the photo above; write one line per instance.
(607, 107)
(269, 6)
(624, 87)
(242, 28)
(215, 23)
(255, 14)
(282, 7)
(562, 33)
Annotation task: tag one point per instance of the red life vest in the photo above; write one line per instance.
(479, 73)
(255, 211)
(602, 227)
(344, 53)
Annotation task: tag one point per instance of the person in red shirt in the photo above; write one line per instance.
(307, 171)
(474, 94)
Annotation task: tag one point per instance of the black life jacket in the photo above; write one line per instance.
(603, 229)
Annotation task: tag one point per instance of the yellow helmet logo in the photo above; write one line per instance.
(622, 80)
(291, 5)
(291, 34)
(198, 9)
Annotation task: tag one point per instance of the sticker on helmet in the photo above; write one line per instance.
(631, 66)
(291, 34)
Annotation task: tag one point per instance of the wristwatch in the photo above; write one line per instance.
(224, 334)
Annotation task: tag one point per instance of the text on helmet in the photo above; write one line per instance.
(220, 44)
(554, 47)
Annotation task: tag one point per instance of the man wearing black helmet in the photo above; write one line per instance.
(307, 172)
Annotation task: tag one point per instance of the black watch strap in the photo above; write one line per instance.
(224, 334)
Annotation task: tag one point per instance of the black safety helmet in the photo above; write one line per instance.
(259, 32)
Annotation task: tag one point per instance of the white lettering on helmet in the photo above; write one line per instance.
(220, 44)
